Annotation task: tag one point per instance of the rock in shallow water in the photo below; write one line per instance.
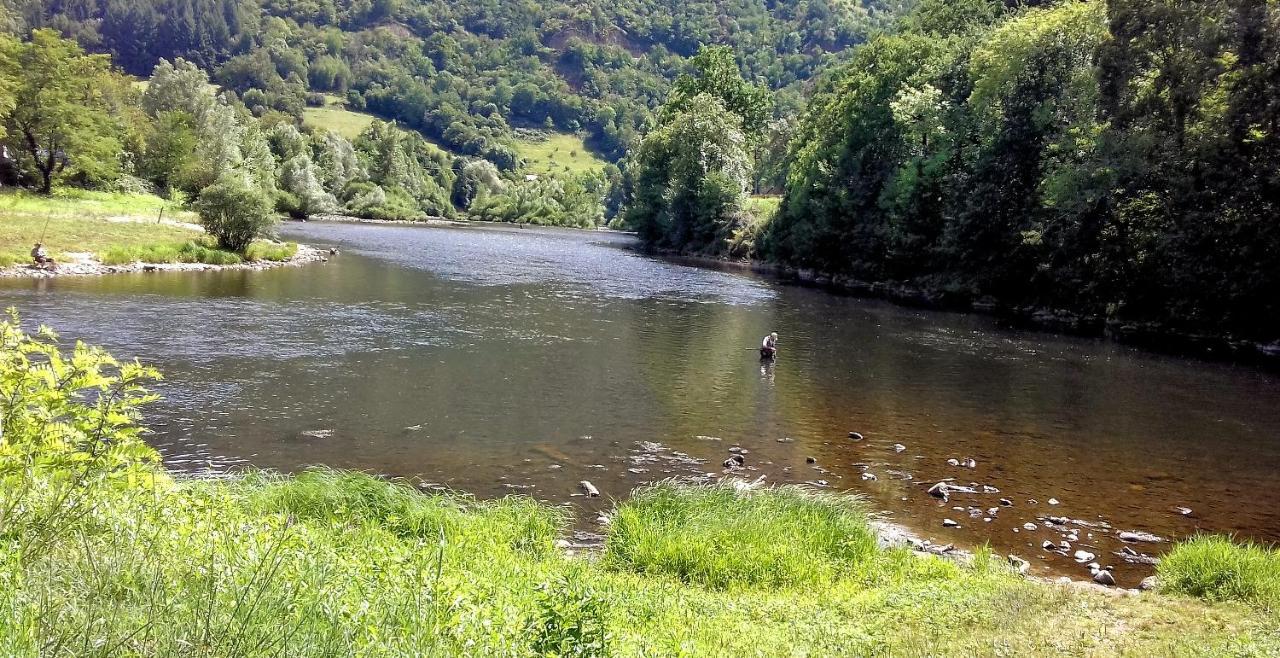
(948, 523)
(1104, 577)
(1138, 535)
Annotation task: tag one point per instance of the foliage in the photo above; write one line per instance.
(1218, 569)
(1104, 158)
(570, 622)
(69, 429)
(64, 120)
(690, 178)
(716, 75)
(234, 212)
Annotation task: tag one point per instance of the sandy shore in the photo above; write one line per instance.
(84, 264)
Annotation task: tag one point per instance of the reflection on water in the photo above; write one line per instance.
(504, 360)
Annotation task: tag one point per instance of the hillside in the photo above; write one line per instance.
(462, 73)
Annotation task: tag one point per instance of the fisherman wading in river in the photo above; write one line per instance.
(769, 348)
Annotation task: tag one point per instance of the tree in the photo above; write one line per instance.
(690, 179)
(169, 146)
(300, 178)
(717, 75)
(61, 122)
(235, 211)
(476, 179)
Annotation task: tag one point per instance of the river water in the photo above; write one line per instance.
(500, 360)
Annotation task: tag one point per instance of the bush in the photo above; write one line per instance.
(70, 428)
(1218, 569)
(716, 536)
(234, 212)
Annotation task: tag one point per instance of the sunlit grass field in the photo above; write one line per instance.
(116, 228)
(558, 154)
(81, 221)
(337, 118)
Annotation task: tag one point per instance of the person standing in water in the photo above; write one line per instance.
(769, 347)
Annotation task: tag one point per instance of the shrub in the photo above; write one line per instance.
(70, 427)
(234, 212)
(717, 536)
(1218, 569)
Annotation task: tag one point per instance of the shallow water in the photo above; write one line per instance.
(499, 360)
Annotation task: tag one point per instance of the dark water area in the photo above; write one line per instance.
(499, 361)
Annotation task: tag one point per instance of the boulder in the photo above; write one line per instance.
(589, 489)
(1138, 535)
(948, 523)
(1084, 556)
(855, 436)
(1149, 583)
(1104, 577)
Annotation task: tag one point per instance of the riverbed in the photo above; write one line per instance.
(500, 360)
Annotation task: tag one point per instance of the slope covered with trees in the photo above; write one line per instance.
(1117, 160)
(464, 72)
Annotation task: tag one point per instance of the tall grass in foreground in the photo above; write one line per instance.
(719, 537)
(1217, 569)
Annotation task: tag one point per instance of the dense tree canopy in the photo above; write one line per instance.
(63, 119)
(1116, 159)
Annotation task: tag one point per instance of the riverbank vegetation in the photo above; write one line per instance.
(1115, 160)
(114, 228)
(102, 552)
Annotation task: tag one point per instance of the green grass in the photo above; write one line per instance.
(558, 154)
(1218, 569)
(80, 221)
(274, 251)
(338, 119)
(714, 536)
(334, 564)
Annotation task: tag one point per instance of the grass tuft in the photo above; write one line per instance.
(353, 498)
(273, 251)
(716, 536)
(1216, 568)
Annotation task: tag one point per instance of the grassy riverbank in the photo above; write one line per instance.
(329, 564)
(104, 553)
(114, 228)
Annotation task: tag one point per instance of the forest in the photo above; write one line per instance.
(1116, 160)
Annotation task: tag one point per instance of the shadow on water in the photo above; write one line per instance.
(499, 361)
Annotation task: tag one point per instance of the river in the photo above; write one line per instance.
(500, 360)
